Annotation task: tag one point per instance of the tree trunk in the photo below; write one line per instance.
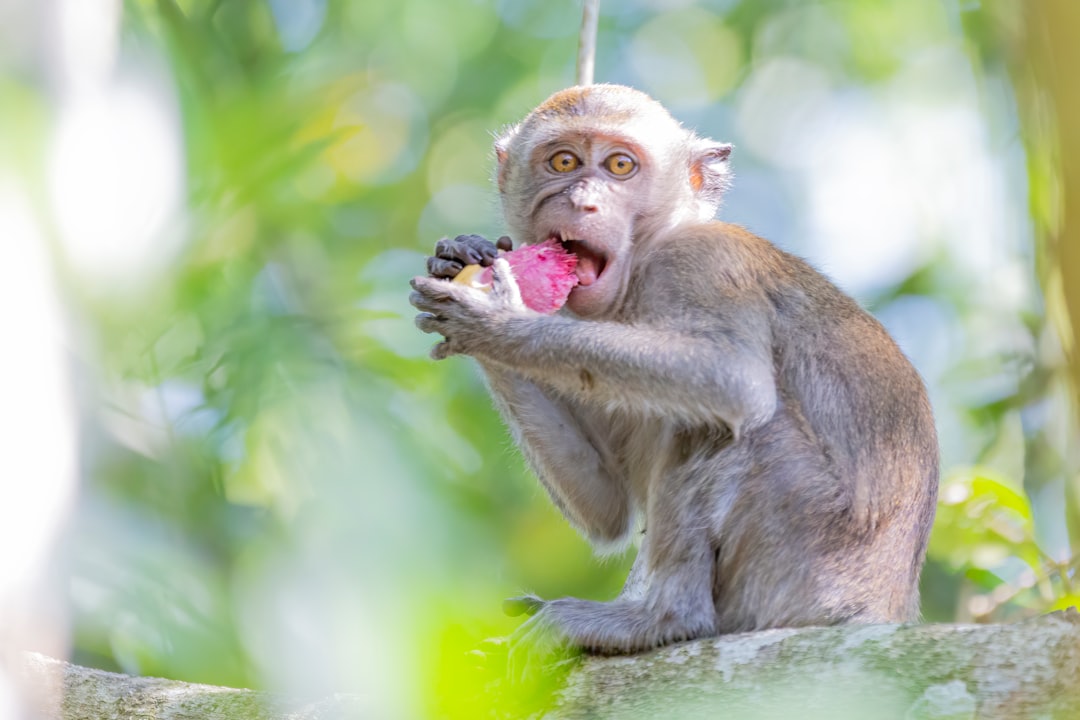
(907, 672)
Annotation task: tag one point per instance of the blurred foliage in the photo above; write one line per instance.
(282, 491)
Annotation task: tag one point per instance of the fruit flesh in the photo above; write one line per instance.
(544, 273)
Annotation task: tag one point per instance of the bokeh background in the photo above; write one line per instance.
(227, 458)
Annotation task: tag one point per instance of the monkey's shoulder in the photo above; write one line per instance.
(714, 258)
(719, 267)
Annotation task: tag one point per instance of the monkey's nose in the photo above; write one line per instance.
(585, 204)
(583, 196)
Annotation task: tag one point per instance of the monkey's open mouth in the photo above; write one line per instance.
(590, 263)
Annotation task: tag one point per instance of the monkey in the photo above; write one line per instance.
(769, 435)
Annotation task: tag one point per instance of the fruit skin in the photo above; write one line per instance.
(544, 273)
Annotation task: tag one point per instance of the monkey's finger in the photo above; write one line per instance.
(484, 250)
(466, 249)
(431, 289)
(435, 295)
(440, 268)
(428, 322)
(443, 350)
(424, 303)
(477, 248)
(447, 249)
(505, 243)
(522, 605)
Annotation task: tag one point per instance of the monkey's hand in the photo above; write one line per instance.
(452, 255)
(466, 317)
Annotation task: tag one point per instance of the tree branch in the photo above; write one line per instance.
(1026, 670)
(586, 59)
(906, 672)
(62, 691)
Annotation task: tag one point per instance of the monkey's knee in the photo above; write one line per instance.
(608, 525)
(609, 539)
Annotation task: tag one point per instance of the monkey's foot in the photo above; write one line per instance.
(607, 628)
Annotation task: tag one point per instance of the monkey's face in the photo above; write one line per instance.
(583, 196)
(600, 169)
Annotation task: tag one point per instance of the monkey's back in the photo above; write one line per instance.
(830, 502)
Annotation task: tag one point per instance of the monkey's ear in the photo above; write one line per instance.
(709, 171)
(502, 151)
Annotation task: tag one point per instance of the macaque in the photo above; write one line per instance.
(767, 434)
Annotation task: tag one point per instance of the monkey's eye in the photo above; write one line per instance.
(620, 164)
(564, 162)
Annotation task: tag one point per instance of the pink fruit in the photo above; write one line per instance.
(544, 273)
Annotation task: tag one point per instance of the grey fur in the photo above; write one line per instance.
(778, 446)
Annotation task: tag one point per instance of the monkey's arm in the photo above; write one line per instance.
(665, 373)
(701, 372)
(570, 463)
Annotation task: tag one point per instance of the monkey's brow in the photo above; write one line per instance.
(586, 138)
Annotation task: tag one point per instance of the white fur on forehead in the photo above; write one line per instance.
(603, 108)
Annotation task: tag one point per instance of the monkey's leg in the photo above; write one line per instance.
(568, 462)
(676, 605)
(637, 581)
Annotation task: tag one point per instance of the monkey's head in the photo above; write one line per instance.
(600, 168)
